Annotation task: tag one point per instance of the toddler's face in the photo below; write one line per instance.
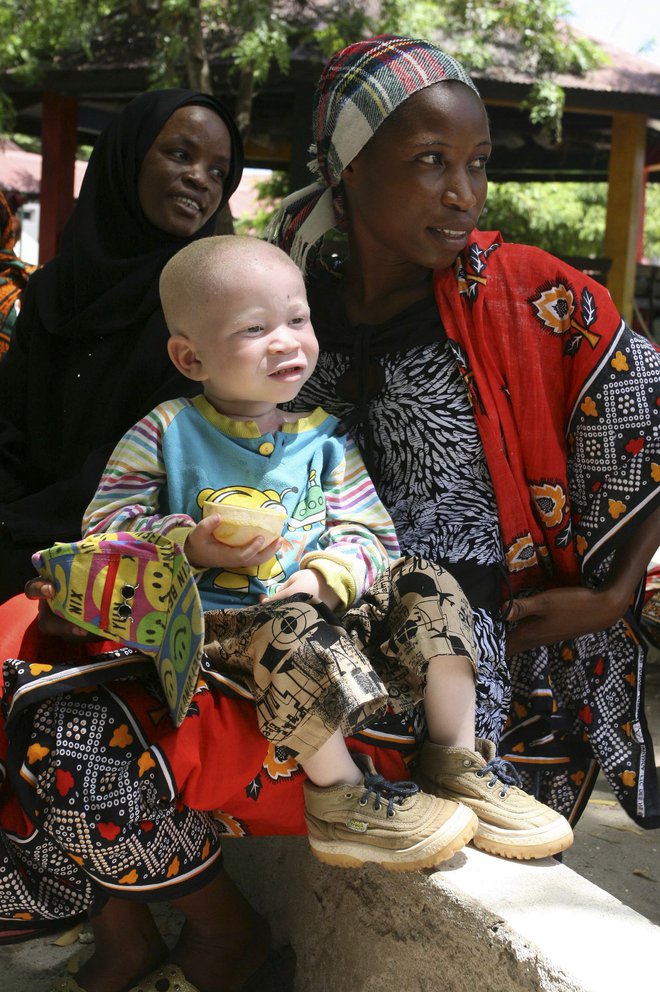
(255, 341)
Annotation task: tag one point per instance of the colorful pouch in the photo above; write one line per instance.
(137, 589)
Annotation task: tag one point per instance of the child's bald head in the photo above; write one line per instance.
(199, 275)
(239, 322)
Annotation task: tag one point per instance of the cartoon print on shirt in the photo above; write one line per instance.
(238, 579)
(311, 508)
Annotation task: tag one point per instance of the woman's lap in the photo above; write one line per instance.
(140, 806)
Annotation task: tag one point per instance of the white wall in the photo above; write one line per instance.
(27, 247)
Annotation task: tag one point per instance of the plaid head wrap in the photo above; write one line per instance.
(359, 88)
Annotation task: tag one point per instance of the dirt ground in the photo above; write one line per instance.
(609, 850)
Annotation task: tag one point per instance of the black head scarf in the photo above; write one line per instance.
(105, 277)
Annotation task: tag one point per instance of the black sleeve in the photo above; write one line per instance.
(13, 397)
(55, 513)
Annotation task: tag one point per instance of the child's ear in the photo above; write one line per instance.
(184, 357)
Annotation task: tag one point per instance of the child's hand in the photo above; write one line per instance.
(49, 623)
(203, 551)
(306, 580)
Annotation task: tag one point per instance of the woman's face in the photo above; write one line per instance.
(415, 191)
(182, 177)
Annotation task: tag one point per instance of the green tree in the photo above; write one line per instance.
(255, 34)
(33, 31)
(563, 218)
(269, 193)
(652, 224)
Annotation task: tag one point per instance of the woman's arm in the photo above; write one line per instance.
(13, 392)
(36, 515)
(561, 614)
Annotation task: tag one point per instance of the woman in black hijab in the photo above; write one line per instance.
(88, 357)
(88, 360)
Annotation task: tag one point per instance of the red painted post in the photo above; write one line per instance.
(58, 135)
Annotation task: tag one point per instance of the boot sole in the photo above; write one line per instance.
(524, 845)
(433, 850)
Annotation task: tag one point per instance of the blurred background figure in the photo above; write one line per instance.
(14, 273)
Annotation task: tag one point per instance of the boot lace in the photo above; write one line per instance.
(503, 772)
(385, 791)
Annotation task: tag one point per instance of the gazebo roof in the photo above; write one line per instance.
(624, 82)
(20, 170)
(116, 72)
(611, 125)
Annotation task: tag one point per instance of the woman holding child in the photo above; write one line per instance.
(485, 385)
(87, 359)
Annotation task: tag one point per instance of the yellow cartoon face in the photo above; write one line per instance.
(245, 496)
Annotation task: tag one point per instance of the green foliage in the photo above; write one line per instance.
(257, 36)
(531, 29)
(546, 106)
(349, 21)
(33, 31)
(422, 19)
(176, 28)
(563, 218)
(260, 44)
(258, 32)
(537, 45)
(7, 112)
(27, 142)
(652, 224)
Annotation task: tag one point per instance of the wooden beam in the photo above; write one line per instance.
(58, 151)
(299, 174)
(624, 207)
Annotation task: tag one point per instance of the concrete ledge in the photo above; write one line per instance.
(479, 923)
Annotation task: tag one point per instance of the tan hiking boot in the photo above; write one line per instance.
(511, 822)
(393, 824)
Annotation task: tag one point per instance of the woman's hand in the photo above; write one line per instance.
(307, 580)
(203, 551)
(560, 614)
(49, 623)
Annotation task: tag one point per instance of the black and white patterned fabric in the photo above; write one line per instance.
(423, 450)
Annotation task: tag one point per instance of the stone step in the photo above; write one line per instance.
(476, 924)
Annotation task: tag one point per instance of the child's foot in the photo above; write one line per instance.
(392, 824)
(511, 822)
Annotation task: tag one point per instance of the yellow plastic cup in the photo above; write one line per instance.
(241, 524)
